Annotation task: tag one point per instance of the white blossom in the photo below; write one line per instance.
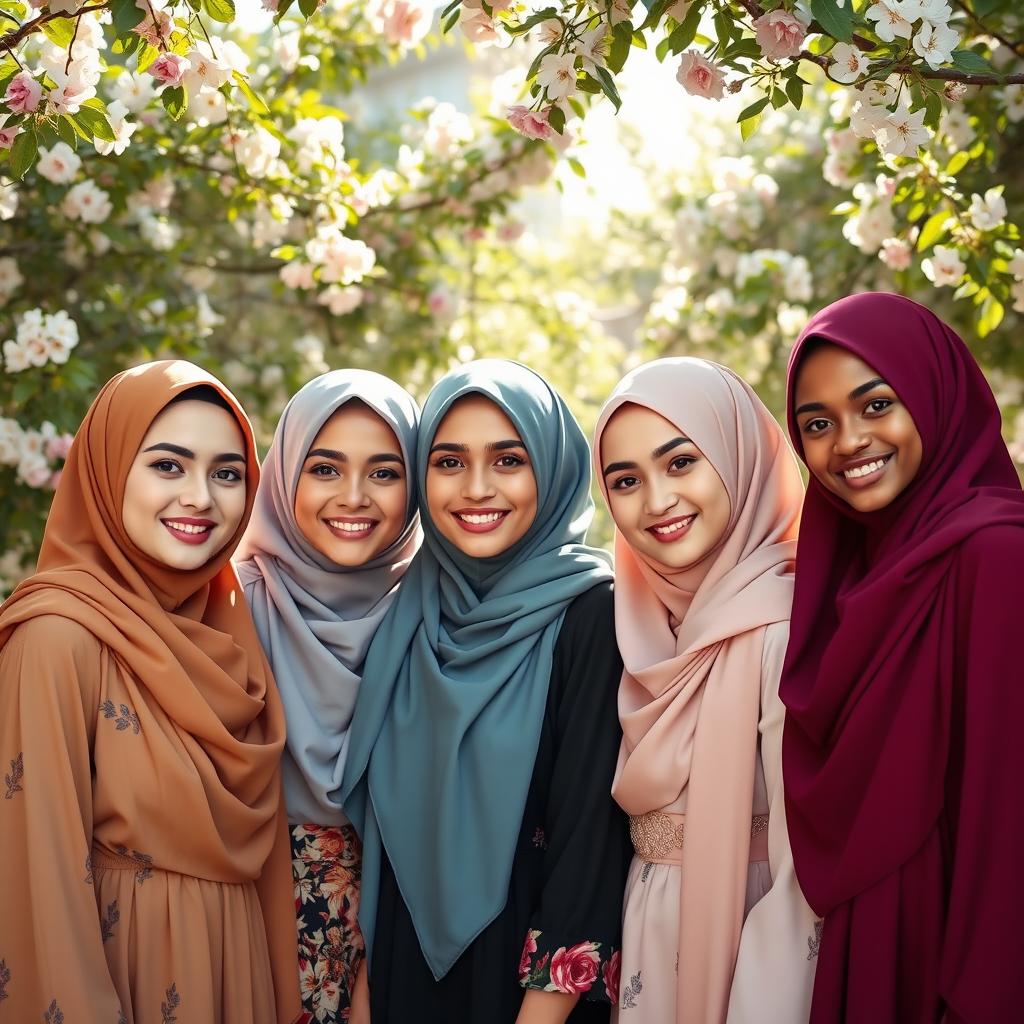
(944, 268)
(902, 133)
(936, 43)
(87, 203)
(848, 63)
(988, 211)
(123, 129)
(59, 164)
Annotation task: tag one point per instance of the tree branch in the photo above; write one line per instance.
(11, 40)
(755, 10)
(1017, 48)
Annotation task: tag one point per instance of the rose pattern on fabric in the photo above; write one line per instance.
(574, 969)
(326, 871)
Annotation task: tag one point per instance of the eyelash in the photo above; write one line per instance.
(384, 473)
(161, 466)
(506, 461)
(679, 464)
(885, 403)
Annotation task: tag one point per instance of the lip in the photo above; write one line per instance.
(860, 483)
(501, 513)
(670, 538)
(368, 526)
(194, 539)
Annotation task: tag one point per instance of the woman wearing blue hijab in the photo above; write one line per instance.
(484, 743)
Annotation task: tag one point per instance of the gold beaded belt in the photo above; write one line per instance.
(658, 837)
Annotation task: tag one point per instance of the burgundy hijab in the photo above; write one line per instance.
(901, 752)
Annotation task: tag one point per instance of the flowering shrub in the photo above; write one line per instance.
(931, 87)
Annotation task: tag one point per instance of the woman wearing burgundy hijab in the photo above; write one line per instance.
(902, 755)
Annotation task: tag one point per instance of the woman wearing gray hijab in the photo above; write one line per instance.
(333, 531)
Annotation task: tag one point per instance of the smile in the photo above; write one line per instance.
(480, 520)
(189, 531)
(672, 529)
(351, 529)
(865, 473)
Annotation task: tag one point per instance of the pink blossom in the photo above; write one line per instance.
(23, 94)
(403, 22)
(474, 234)
(896, 253)
(511, 231)
(59, 446)
(529, 948)
(8, 135)
(574, 970)
(531, 123)
(51, 484)
(700, 76)
(169, 68)
(779, 34)
(155, 27)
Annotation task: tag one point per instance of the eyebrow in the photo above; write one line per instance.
(330, 453)
(857, 392)
(185, 453)
(493, 446)
(662, 449)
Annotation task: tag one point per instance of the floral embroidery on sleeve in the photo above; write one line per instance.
(13, 781)
(5, 977)
(108, 920)
(171, 1003)
(588, 969)
(143, 863)
(54, 1015)
(123, 716)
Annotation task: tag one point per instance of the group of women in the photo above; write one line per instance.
(763, 770)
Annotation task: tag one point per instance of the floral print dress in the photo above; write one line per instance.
(560, 928)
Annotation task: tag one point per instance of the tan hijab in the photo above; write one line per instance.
(691, 642)
(187, 642)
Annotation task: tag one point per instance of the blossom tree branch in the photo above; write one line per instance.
(12, 39)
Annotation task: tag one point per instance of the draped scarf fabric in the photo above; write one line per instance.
(691, 642)
(446, 730)
(185, 637)
(316, 618)
(868, 679)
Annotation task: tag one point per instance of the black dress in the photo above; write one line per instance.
(561, 926)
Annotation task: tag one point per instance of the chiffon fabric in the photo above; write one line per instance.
(444, 741)
(316, 619)
(144, 849)
(902, 683)
(700, 675)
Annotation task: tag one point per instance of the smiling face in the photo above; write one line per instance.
(860, 441)
(185, 493)
(481, 491)
(353, 489)
(666, 498)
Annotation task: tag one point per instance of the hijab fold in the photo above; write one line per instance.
(446, 730)
(691, 642)
(315, 618)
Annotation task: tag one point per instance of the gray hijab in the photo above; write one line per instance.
(315, 618)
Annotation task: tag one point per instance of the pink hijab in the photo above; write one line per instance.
(691, 642)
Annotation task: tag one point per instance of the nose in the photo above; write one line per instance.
(851, 437)
(477, 484)
(660, 497)
(196, 493)
(353, 492)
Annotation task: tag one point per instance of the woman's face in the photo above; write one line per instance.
(353, 489)
(481, 492)
(666, 498)
(859, 439)
(185, 493)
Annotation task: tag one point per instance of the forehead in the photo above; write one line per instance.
(356, 423)
(476, 418)
(829, 373)
(637, 430)
(199, 426)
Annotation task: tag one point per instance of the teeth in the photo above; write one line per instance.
(871, 467)
(188, 528)
(479, 520)
(664, 531)
(339, 524)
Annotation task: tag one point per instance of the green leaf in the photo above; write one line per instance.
(23, 153)
(972, 63)
(935, 227)
(622, 38)
(932, 110)
(451, 20)
(608, 87)
(749, 126)
(254, 99)
(224, 10)
(795, 91)
(685, 32)
(753, 110)
(661, 50)
(577, 168)
(958, 162)
(96, 122)
(126, 15)
(917, 211)
(557, 119)
(60, 31)
(779, 99)
(835, 20)
(147, 54)
(175, 101)
(66, 131)
(991, 316)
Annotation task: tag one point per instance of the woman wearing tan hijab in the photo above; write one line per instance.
(144, 856)
(705, 496)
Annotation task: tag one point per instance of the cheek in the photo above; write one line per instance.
(233, 505)
(623, 508)
(436, 491)
(522, 490)
(392, 502)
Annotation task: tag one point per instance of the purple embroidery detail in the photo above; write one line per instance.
(13, 781)
(54, 1015)
(143, 861)
(123, 716)
(5, 977)
(171, 1002)
(108, 920)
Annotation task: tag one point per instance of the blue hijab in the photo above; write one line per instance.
(446, 730)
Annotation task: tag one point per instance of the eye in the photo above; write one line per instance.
(510, 461)
(166, 466)
(878, 405)
(681, 462)
(625, 483)
(323, 469)
(385, 474)
(228, 474)
(447, 462)
(815, 426)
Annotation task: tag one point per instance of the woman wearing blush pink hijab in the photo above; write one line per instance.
(705, 495)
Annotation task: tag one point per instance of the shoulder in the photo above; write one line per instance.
(994, 552)
(590, 617)
(53, 637)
